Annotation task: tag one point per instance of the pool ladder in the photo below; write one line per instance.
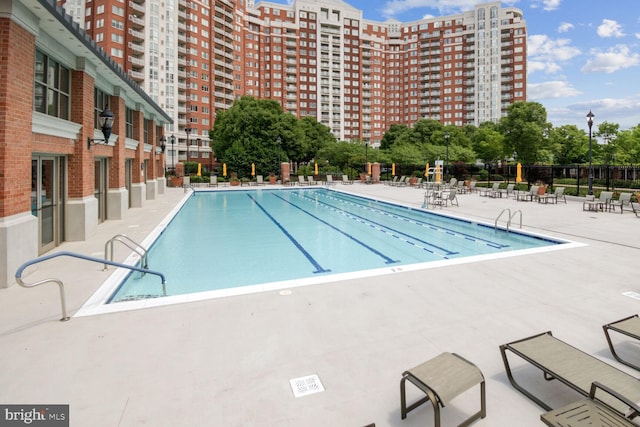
(511, 215)
(128, 242)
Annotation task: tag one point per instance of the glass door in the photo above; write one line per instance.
(46, 200)
(100, 187)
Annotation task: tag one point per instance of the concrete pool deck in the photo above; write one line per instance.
(228, 362)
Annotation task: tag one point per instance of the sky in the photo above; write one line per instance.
(582, 54)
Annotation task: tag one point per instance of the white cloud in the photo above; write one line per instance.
(564, 27)
(614, 59)
(546, 54)
(551, 89)
(546, 4)
(610, 28)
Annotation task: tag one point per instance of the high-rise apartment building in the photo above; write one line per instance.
(318, 59)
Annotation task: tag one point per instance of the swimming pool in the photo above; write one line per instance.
(222, 243)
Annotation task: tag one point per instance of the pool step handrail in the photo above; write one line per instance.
(63, 303)
(510, 219)
(131, 244)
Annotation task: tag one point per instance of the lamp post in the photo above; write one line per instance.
(446, 158)
(188, 131)
(163, 147)
(198, 142)
(173, 153)
(590, 117)
(366, 157)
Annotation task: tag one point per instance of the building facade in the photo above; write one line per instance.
(61, 176)
(318, 59)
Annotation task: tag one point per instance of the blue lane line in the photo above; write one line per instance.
(383, 228)
(423, 223)
(386, 259)
(293, 240)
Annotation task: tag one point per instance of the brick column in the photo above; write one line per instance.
(117, 194)
(285, 173)
(18, 228)
(138, 186)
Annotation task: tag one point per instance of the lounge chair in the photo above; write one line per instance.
(528, 196)
(393, 181)
(599, 204)
(311, 181)
(259, 180)
(629, 326)
(213, 181)
(590, 412)
(472, 187)
(573, 368)
(400, 182)
(557, 194)
(330, 180)
(301, 180)
(484, 192)
(346, 180)
(503, 191)
(623, 201)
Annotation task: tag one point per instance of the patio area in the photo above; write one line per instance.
(229, 362)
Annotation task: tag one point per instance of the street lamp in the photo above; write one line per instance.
(173, 153)
(590, 117)
(446, 159)
(188, 131)
(198, 142)
(366, 157)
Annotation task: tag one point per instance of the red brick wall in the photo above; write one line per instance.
(81, 169)
(17, 48)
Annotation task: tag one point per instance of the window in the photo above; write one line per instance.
(52, 87)
(129, 122)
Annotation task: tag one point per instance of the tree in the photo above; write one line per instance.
(526, 129)
(392, 135)
(260, 132)
(608, 132)
(569, 144)
(489, 144)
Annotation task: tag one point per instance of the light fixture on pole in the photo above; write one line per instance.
(163, 144)
(446, 159)
(198, 142)
(173, 153)
(106, 124)
(188, 131)
(590, 117)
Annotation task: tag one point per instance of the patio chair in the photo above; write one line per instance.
(472, 187)
(623, 201)
(259, 180)
(629, 326)
(301, 180)
(528, 196)
(330, 180)
(503, 191)
(392, 182)
(311, 181)
(346, 180)
(590, 412)
(213, 181)
(571, 367)
(557, 194)
(445, 198)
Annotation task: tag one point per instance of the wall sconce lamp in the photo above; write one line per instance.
(163, 143)
(106, 124)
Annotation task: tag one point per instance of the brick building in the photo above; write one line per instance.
(318, 59)
(59, 176)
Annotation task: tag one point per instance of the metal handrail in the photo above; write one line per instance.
(61, 285)
(127, 241)
(511, 216)
(495, 224)
(514, 214)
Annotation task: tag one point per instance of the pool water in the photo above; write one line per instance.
(232, 239)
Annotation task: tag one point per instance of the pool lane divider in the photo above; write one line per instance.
(419, 223)
(311, 259)
(388, 230)
(387, 259)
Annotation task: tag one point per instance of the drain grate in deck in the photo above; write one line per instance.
(306, 385)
